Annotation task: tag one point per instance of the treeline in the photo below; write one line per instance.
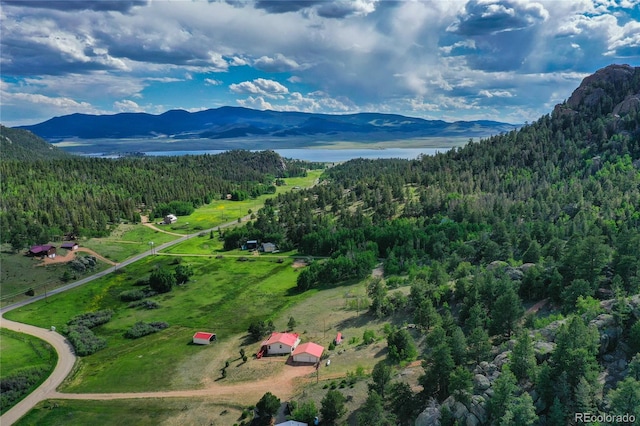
(43, 199)
(549, 211)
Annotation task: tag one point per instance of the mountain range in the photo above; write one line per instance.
(236, 122)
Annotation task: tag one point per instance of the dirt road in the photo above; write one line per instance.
(66, 361)
(283, 385)
(72, 254)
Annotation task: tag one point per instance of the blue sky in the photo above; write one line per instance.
(506, 60)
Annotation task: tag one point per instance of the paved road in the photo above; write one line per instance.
(66, 357)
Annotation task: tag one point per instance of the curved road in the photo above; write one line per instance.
(66, 357)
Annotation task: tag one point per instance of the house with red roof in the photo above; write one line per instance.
(43, 250)
(280, 343)
(203, 338)
(308, 353)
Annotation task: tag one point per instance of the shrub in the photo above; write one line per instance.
(144, 304)
(15, 386)
(91, 319)
(132, 295)
(83, 340)
(141, 329)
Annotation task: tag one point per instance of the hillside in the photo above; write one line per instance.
(545, 218)
(236, 122)
(17, 144)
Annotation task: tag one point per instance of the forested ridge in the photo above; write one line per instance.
(48, 197)
(549, 212)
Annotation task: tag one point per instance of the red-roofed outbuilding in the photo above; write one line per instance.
(281, 343)
(203, 338)
(308, 352)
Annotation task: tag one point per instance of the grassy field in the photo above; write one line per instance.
(21, 353)
(19, 350)
(127, 240)
(139, 412)
(20, 273)
(224, 296)
(222, 211)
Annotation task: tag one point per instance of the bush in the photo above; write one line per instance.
(83, 340)
(141, 329)
(144, 304)
(91, 319)
(132, 295)
(14, 387)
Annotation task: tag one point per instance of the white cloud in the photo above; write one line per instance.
(277, 63)
(495, 93)
(127, 106)
(257, 102)
(261, 87)
(212, 82)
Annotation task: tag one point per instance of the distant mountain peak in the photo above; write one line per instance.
(233, 123)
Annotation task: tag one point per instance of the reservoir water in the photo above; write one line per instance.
(321, 155)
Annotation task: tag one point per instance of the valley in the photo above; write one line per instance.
(494, 283)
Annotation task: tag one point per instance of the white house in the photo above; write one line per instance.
(308, 353)
(292, 423)
(203, 338)
(170, 218)
(281, 343)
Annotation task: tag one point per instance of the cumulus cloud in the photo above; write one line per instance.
(492, 16)
(212, 82)
(256, 102)
(127, 106)
(261, 87)
(277, 63)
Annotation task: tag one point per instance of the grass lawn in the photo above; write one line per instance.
(127, 240)
(222, 211)
(21, 353)
(139, 412)
(224, 296)
(18, 350)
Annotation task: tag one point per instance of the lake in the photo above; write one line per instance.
(318, 155)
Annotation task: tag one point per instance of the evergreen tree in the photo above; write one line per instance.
(506, 311)
(332, 407)
(373, 413)
(520, 411)
(523, 359)
(504, 388)
(381, 376)
(267, 407)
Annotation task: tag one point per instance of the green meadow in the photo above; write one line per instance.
(222, 211)
(127, 240)
(18, 350)
(25, 363)
(224, 296)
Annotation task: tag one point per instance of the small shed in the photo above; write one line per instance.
(308, 353)
(203, 338)
(251, 245)
(338, 339)
(170, 218)
(43, 250)
(281, 343)
(71, 245)
(268, 247)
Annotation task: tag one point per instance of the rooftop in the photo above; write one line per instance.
(288, 339)
(309, 348)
